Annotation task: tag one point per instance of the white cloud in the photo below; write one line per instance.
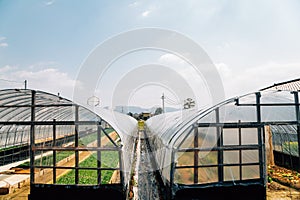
(134, 4)
(146, 13)
(6, 69)
(224, 70)
(2, 42)
(240, 82)
(48, 79)
(49, 3)
(169, 58)
(149, 10)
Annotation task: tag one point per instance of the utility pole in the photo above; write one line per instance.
(163, 102)
(25, 83)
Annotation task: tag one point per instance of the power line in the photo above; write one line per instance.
(172, 102)
(1, 79)
(12, 81)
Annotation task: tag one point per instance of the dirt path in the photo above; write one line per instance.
(276, 191)
(144, 185)
(23, 192)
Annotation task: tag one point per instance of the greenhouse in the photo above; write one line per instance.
(221, 150)
(75, 150)
(72, 150)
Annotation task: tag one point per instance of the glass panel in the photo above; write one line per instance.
(209, 118)
(43, 176)
(188, 142)
(208, 157)
(65, 158)
(65, 176)
(115, 178)
(231, 173)
(88, 177)
(250, 156)
(231, 157)
(233, 113)
(184, 176)
(106, 176)
(250, 172)
(207, 137)
(105, 140)
(186, 159)
(87, 159)
(43, 158)
(278, 113)
(249, 136)
(230, 136)
(109, 159)
(208, 175)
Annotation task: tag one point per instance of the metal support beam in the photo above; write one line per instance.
(76, 144)
(296, 96)
(32, 137)
(99, 154)
(54, 152)
(172, 171)
(260, 138)
(219, 133)
(196, 156)
(240, 150)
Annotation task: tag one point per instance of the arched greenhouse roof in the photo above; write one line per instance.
(291, 85)
(16, 108)
(275, 107)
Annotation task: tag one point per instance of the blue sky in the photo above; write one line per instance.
(253, 43)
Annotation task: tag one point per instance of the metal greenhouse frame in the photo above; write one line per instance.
(221, 150)
(199, 154)
(43, 124)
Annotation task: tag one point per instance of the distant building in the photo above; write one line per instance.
(145, 115)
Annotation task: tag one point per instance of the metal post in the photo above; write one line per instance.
(99, 153)
(25, 84)
(54, 151)
(220, 145)
(76, 144)
(163, 102)
(32, 137)
(172, 171)
(296, 96)
(260, 141)
(196, 156)
(121, 167)
(240, 151)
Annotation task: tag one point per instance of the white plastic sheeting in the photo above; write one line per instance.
(230, 132)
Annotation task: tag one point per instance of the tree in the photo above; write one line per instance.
(189, 103)
(158, 111)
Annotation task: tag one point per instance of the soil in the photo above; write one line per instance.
(275, 191)
(283, 184)
(284, 176)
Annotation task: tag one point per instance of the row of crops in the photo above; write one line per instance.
(109, 159)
